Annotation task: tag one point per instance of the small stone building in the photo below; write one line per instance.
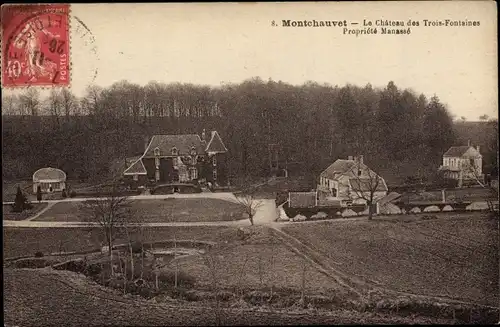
(49, 179)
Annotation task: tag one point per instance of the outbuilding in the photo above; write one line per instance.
(49, 179)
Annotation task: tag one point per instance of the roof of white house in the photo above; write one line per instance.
(465, 151)
(343, 167)
(49, 174)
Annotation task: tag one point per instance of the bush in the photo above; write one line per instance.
(168, 277)
(72, 194)
(38, 254)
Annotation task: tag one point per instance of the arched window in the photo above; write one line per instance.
(174, 151)
(157, 152)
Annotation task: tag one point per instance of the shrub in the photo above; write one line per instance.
(21, 202)
(168, 277)
(137, 247)
(38, 254)
(72, 194)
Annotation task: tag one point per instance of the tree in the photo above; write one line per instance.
(38, 193)
(365, 183)
(250, 205)
(112, 214)
(484, 117)
(30, 101)
(21, 202)
(212, 261)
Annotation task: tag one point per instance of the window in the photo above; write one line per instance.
(193, 151)
(359, 172)
(174, 151)
(157, 162)
(157, 152)
(214, 174)
(334, 192)
(157, 175)
(194, 173)
(471, 161)
(214, 160)
(136, 177)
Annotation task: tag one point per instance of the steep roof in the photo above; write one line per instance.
(215, 144)
(343, 167)
(183, 143)
(49, 173)
(462, 151)
(337, 168)
(367, 184)
(302, 199)
(137, 168)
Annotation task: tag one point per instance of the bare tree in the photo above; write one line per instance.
(472, 170)
(10, 105)
(113, 214)
(363, 183)
(213, 263)
(68, 103)
(250, 205)
(54, 105)
(30, 101)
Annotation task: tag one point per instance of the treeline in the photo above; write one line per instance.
(398, 131)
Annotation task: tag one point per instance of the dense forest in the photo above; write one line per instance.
(264, 124)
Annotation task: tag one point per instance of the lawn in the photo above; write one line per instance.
(166, 210)
(8, 214)
(454, 257)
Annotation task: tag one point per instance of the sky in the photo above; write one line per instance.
(228, 43)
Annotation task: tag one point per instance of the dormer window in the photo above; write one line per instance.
(193, 151)
(174, 151)
(157, 152)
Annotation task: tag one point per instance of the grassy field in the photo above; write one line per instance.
(256, 263)
(27, 241)
(167, 210)
(8, 214)
(33, 297)
(453, 257)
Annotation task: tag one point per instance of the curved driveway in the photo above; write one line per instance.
(265, 213)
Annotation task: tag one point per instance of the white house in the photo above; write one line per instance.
(49, 179)
(462, 163)
(351, 182)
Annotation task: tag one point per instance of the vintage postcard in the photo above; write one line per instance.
(250, 163)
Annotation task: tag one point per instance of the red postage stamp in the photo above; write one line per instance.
(35, 45)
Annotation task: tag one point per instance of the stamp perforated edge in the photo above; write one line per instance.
(40, 87)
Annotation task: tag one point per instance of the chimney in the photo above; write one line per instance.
(203, 136)
(349, 158)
